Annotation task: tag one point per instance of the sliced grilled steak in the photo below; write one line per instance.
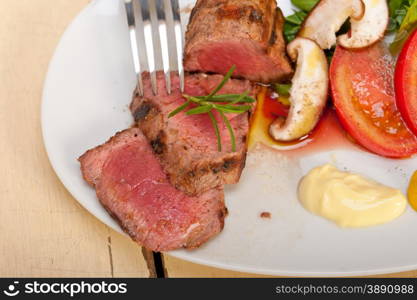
(245, 33)
(131, 185)
(187, 145)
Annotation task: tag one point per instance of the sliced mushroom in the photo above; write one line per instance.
(370, 28)
(308, 93)
(326, 19)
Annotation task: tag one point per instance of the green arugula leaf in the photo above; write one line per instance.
(408, 23)
(297, 18)
(305, 5)
(395, 5)
(411, 16)
(397, 12)
(282, 89)
(293, 24)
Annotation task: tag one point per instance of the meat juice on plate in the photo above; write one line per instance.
(327, 135)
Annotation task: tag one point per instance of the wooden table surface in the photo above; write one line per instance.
(44, 231)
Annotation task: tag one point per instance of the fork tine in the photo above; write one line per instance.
(146, 13)
(163, 35)
(156, 43)
(172, 47)
(179, 40)
(131, 21)
(140, 37)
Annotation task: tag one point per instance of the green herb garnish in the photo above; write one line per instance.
(226, 103)
(397, 11)
(403, 20)
(293, 22)
(305, 5)
(282, 89)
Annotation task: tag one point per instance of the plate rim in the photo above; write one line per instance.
(51, 157)
(179, 255)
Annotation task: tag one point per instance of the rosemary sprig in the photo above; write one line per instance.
(229, 127)
(179, 109)
(225, 103)
(223, 82)
(227, 98)
(217, 131)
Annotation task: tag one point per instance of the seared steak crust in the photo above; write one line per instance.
(186, 145)
(245, 33)
(132, 187)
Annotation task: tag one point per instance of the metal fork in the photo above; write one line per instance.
(156, 40)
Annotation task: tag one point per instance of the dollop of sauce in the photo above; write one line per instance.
(412, 191)
(349, 200)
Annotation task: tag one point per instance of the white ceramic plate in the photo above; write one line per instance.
(87, 91)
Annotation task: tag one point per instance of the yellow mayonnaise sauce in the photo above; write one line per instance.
(348, 199)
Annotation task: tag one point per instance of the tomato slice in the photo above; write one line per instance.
(406, 82)
(363, 95)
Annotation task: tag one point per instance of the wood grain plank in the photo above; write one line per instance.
(178, 268)
(44, 231)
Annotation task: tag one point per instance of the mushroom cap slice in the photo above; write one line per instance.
(370, 28)
(327, 17)
(308, 94)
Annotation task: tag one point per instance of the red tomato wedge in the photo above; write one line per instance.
(406, 82)
(363, 95)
